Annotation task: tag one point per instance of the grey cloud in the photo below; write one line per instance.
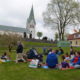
(16, 12)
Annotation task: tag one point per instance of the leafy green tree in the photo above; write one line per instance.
(39, 34)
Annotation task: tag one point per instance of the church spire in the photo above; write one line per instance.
(31, 16)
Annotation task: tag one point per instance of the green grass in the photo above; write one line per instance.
(21, 71)
(38, 44)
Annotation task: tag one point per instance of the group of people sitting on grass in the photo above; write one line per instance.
(68, 61)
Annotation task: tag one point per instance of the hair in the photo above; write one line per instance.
(5, 53)
(67, 54)
(56, 51)
(50, 49)
(78, 53)
(63, 57)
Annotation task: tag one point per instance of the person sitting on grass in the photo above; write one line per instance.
(49, 51)
(67, 57)
(72, 51)
(72, 56)
(5, 57)
(75, 62)
(52, 60)
(32, 53)
(60, 51)
(40, 57)
(64, 64)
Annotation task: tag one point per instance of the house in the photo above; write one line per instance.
(74, 39)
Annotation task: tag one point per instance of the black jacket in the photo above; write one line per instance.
(19, 48)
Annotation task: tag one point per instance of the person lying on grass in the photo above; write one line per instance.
(5, 57)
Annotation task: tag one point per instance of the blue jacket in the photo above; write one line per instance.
(52, 60)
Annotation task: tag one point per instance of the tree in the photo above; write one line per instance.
(39, 34)
(77, 15)
(24, 34)
(44, 38)
(60, 14)
(56, 36)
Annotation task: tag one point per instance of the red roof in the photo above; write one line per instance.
(72, 36)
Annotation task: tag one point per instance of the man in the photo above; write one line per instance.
(19, 51)
(52, 60)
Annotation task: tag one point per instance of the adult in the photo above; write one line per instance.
(60, 51)
(19, 51)
(52, 60)
(10, 47)
(32, 53)
(44, 50)
(72, 51)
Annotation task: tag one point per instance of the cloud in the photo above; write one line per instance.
(16, 12)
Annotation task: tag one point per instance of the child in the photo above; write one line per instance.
(64, 64)
(75, 62)
(67, 58)
(5, 56)
(40, 57)
(72, 56)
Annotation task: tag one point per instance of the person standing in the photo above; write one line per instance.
(19, 51)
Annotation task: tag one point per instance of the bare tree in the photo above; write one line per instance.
(59, 14)
(56, 36)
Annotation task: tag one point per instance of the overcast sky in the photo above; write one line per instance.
(16, 12)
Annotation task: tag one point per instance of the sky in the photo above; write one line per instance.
(16, 12)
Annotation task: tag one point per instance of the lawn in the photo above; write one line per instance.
(21, 71)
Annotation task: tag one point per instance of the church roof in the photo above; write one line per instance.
(13, 29)
(31, 16)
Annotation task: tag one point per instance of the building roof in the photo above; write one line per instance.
(74, 36)
(70, 37)
(31, 16)
(13, 29)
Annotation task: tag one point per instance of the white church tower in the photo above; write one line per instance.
(31, 24)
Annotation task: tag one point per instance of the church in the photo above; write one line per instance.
(29, 28)
(31, 23)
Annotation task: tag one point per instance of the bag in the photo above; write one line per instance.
(34, 63)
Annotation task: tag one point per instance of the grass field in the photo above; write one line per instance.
(21, 71)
